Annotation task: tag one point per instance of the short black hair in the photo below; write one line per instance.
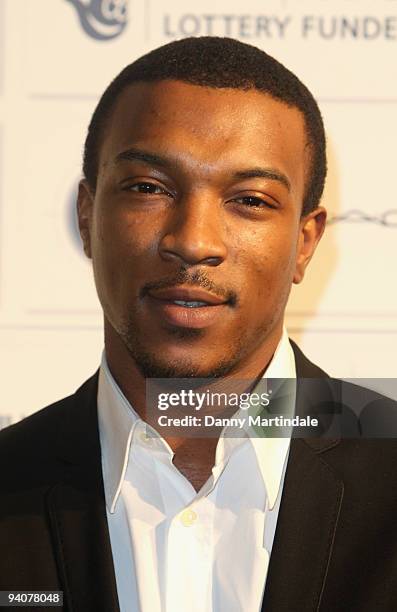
(216, 62)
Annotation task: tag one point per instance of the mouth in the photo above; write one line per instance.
(188, 307)
(189, 304)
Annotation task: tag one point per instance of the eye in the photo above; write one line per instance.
(254, 202)
(147, 188)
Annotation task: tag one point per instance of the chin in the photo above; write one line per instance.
(152, 367)
(182, 356)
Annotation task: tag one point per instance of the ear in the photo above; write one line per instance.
(311, 229)
(85, 203)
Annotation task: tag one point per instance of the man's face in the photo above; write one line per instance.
(195, 228)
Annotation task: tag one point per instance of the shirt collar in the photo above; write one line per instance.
(271, 453)
(118, 420)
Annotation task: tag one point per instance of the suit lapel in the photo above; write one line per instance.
(83, 550)
(77, 511)
(309, 510)
(311, 501)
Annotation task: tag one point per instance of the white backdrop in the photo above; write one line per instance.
(57, 56)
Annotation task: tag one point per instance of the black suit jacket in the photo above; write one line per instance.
(335, 547)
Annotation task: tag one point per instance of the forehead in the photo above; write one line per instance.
(207, 123)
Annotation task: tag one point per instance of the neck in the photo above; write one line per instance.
(193, 456)
(133, 383)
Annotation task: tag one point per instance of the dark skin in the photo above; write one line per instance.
(197, 187)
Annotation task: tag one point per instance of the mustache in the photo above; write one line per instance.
(195, 279)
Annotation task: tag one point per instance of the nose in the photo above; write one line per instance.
(194, 233)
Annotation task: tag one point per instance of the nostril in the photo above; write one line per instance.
(212, 261)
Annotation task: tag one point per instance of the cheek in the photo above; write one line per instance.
(122, 241)
(122, 248)
(268, 265)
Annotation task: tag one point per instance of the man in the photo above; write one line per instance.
(203, 170)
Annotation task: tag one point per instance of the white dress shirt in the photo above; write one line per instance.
(175, 549)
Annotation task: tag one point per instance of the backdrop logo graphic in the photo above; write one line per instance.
(72, 222)
(102, 19)
(386, 219)
(9, 419)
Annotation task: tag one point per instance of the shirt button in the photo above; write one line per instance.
(188, 517)
(145, 438)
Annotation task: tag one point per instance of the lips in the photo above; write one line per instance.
(187, 307)
(187, 294)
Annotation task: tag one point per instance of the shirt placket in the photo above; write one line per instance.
(189, 558)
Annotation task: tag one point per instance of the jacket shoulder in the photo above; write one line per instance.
(36, 436)
(304, 367)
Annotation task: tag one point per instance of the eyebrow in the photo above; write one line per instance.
(143, 156)
(154, 159)
(268, 173)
